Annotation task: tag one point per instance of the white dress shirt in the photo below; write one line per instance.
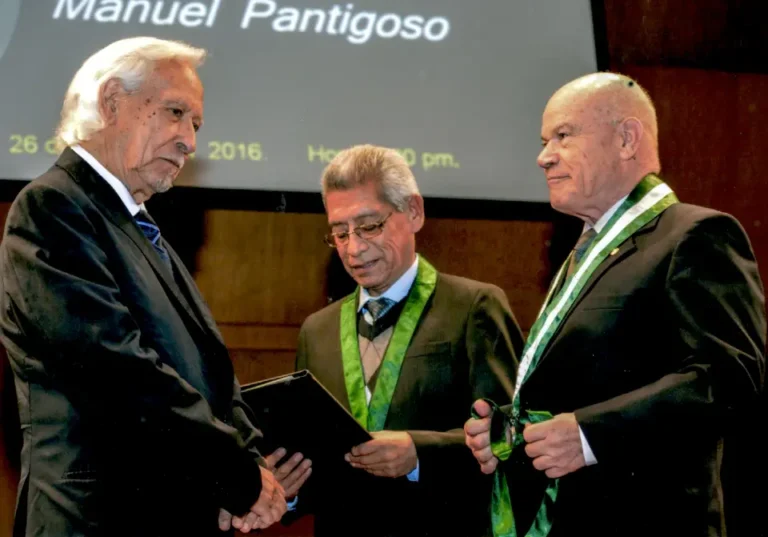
(600, 224)
(117, 185)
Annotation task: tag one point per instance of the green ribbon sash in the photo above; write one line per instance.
(647, 200)
(374, 417)
(502, 517)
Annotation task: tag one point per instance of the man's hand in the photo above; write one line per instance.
(225, 520)
(555, 445)
(268, 509)
(291, 475)
(477, 436)
(389, 454)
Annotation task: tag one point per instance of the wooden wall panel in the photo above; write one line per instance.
(710, 142)
(265, 268)
(253, 364)
(726, 35)
(510, 254)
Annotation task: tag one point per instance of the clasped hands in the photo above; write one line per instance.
(268, 509)
(286, 478)
(554, 445)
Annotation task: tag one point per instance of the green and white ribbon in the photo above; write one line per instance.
(374, 416)
(646, 201)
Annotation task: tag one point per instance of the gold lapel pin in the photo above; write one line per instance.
(614, 251)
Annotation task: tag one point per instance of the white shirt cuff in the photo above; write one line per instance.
(589, 457)
(292, 504)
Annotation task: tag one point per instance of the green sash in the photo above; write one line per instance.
(648, 200)
(374, 417)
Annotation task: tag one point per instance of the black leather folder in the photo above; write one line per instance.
(298, 413)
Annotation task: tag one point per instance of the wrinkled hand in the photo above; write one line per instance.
(291, 475)
(555, 445)
(389, 454)
(477, 436)
(268, 509)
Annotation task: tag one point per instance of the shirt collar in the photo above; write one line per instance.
(117, 185)
(600, 224)
(398, 290)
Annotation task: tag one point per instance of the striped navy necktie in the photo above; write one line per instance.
(150, 229)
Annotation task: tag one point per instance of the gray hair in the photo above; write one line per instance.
(361, 164)
(128, 60)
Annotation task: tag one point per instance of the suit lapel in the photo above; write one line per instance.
(400, 395)
(195, 300)
(330, 357)
(627, 248)
(110, 204)
(624, 251)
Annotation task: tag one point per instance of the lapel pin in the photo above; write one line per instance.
(614, 251)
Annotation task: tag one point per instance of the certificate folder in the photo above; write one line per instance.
(298, 413)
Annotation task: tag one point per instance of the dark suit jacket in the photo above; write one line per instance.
(466, 346)
(660, 358)
(131, 415)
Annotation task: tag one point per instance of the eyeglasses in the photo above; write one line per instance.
(364, 231)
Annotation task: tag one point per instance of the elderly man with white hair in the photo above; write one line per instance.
(131, 414)
(648, 355)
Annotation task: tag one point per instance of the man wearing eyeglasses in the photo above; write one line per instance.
(407, 353)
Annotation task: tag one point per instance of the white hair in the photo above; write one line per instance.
(128, 60)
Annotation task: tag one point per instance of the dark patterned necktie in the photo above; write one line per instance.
(378, 307)
(150, 229)
(383, 311)
(384, 315)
